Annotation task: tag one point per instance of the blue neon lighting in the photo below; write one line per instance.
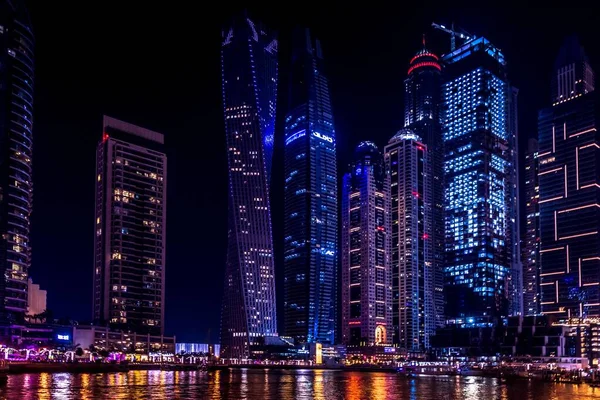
(295, 136)
(323, 137)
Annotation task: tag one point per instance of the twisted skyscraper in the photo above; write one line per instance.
(249, 79)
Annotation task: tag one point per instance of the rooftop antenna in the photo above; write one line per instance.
(453, 34)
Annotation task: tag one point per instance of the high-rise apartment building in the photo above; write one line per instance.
(531, 238)
(311, 224)
(569, 182)
(249, 80)
(130, 228)
(409, 170)
(422, 96)
(366, 274)
(16, 141)
(482, 270)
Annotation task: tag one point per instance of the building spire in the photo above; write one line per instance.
(424, 46)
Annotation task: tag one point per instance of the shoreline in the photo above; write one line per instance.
(22, 368)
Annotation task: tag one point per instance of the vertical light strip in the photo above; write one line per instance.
(580, 272)
(577, 167)
(568, 262)
(553, 139)
(555, 227)
(556, 286)
(566, 182)
(581, 310)
(565, 131)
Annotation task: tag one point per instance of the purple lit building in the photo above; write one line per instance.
(249, 79)
(366, 275)
(130, 228)
(411, 261)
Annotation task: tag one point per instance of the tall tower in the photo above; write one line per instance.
(310, 288)
(480, 163)
(409, 171)
(366, 274)
(569, 182)
(531, 252)
(16, 140)
(422, 116)
(130, 228)
(249, 79)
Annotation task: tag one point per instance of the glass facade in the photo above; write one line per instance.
(16, 140)
(409, 174)
(422, 116)
(569, 182)
(531, 252)
(249, 81)
(130, 228)
(366, 273)
(480, 197)
(311, 223)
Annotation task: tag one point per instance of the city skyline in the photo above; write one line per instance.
(141, 119)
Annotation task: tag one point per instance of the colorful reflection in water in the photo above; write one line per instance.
(281, 385)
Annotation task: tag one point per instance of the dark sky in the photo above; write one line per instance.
(156, 64)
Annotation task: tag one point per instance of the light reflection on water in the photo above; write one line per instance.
(280, 385)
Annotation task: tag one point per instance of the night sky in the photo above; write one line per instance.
(157, 66)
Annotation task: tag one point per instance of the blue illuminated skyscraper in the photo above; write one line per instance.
(249, 78)
(482, 270)
(16, 141)
(422, 97)
(311, 224)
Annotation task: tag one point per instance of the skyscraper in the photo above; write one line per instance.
(422, 116)
(130, 228)
(366, 274)
(249, 79)
(480, 163)
(311, 224)
(569, 181)
(531, 252)
(16, 140)
(407, 164)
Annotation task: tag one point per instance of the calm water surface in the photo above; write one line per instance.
(280, 385)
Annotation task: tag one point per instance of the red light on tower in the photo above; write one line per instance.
(104, 137)
(425, 236)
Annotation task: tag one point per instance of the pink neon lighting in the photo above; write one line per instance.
(425, 64)
(424, 55)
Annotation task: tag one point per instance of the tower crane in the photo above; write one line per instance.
(453, 34)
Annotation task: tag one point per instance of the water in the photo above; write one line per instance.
(280, 385)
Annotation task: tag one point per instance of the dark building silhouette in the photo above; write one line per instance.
(311, 219)
(16, 141)
(422, 116)
(531, 234)
(569, 182)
